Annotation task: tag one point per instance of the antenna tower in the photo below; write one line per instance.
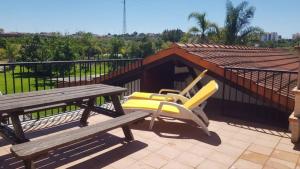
(124, 17)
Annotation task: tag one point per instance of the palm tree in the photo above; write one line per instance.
(205, 27)
(237, 22)
(12, 51)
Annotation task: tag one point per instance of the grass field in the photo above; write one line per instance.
(22, 79)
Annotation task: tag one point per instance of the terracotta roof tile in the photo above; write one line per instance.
(253, 58)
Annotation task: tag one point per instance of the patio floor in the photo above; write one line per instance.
(171, 145)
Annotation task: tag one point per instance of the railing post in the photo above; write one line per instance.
(294, 120)
(297, 48)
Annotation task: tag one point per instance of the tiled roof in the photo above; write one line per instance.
(275, 86)
(244, 57)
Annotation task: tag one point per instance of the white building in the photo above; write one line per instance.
(273, 36)
(296, 36)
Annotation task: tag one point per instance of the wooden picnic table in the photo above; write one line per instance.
(13, 105)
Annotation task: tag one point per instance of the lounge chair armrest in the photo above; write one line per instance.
(168, 91)
(177, 97)
(179, 106)
(161, 95)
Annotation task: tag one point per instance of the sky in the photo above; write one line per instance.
(147, 16)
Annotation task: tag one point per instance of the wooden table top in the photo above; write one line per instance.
(22, 101)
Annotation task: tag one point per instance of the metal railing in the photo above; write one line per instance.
(266, 88)
(33, 76)
(247, 88)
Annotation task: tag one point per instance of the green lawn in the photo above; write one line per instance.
(22, 79)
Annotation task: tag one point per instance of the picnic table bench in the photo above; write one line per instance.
(32, 150)
(14, 105)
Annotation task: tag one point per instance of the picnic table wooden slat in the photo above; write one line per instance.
(64, 97)
(49, 91)
(42, 93)
(49, 95)
(20, 106)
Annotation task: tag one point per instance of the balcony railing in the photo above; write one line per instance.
(270, 85)
(266, 88)
(33, 76)
(242, 87)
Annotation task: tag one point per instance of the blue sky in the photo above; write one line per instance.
(105, 16)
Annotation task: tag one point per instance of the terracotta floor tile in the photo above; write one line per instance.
(140, 165)
(161, 140)
(176, 165)
(238, 143)
(226, 133)
(243, 137)
(286, 141)
(288, 148)
(201, 151)
(254, 157)
(207, 164)
(146, 134)
(284, 155)
(155, 160)
(140, 154)
(181, 145)
(260, 149)
(222, 158)
(249, 132)
(266, 142)
(154, 146)
(189, 159)
(123, 163)
(206, 145)
(279, 164)
(244, 164)
(270, 137)
(230, 150)
(169, 152)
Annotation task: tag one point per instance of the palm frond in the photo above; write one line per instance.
(194, 30)
(248, 31)
(200, 19)
(214, 28)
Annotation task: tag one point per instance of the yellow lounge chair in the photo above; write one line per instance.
(189, 110)
(164, 97)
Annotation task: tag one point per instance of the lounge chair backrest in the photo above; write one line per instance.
(193, 83)
(203, 94)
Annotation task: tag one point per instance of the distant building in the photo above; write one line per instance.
(296, 36)
(273, 36)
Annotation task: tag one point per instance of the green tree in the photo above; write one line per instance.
(116, 44)
(11, 52)
(237, 23)
(172, 35)
(3, 42)
(146, 47)
(133, 49)
(204, 27)
(33, 50)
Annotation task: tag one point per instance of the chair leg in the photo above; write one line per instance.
(197, 120)
(29, 164)
(202, 115)
(200, 111)
(154, 116)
